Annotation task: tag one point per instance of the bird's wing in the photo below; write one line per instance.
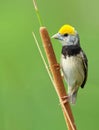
(85, 64)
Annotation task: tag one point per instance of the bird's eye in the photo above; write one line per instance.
(66, 34)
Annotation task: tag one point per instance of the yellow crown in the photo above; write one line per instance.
(67, 29)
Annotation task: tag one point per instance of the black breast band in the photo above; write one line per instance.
(71, 50)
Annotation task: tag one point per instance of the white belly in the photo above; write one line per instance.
(73, 70)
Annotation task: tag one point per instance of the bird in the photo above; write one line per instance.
(74, 62)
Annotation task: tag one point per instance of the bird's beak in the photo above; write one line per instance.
(56, 36)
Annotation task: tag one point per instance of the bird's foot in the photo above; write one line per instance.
(57, 66)
(64, 99)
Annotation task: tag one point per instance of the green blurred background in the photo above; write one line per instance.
(28, 100)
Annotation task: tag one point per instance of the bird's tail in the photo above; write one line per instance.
(72, 98)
